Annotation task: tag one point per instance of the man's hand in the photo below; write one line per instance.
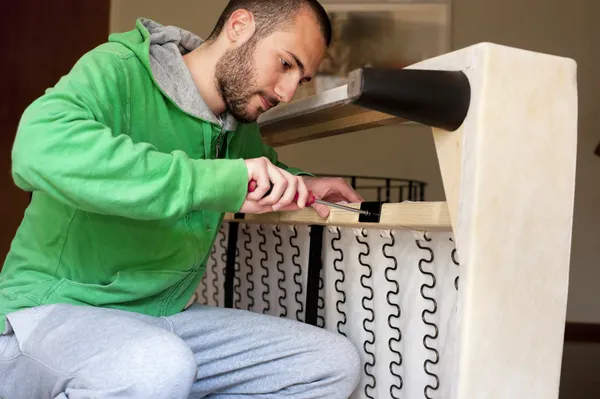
(331, 189)
(283, 185)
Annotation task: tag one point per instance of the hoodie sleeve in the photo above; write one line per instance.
(68, 145)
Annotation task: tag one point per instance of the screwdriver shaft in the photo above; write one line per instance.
(342, 207)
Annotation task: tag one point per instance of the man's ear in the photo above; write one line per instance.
(240, 26)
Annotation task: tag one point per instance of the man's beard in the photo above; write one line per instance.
(235, 77)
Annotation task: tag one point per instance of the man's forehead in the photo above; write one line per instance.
(304, 43)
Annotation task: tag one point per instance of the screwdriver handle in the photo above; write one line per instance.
(253, 184)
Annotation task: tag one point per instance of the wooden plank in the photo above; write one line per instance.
(512, 204)
(335, 126)
(324, 115)
(449, 148)
(514, 222)
(295, 113)
(418, 216)
(372, 98)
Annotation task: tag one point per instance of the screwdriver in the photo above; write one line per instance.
(312, 200)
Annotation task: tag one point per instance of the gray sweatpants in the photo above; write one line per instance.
(76, 352)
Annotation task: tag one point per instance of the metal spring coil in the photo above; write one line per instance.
(280, 281)
(396, 316)
(217, 291)
(250, 270)
(428, 336)
(321, 302)
(207, 273)
(264, 278)
(339, 281)
(223, 244)
(298, 273)
(368, 364)
(455, 261)
(237, 282)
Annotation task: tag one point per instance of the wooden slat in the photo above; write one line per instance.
(333, 127)
(281, 115)
(515, 218)
(449, 149)
(418, 216)
(324, 115)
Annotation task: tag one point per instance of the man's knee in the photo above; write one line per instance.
(161, 366)
(339, 361)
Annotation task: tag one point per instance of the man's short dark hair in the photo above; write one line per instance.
(272, 15)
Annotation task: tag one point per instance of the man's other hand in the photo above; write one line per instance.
(331, 189)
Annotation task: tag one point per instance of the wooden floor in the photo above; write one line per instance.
(582, 332)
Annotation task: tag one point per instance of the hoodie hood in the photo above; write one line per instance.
(165, 47)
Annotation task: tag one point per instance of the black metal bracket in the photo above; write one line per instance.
(374, 209)
(315, 263)
(435, 98)
(230, 264)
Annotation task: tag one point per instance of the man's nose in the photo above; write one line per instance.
(286, 89)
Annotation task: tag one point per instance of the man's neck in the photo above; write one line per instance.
(202, 65)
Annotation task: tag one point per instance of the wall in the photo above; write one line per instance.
(401, 152)
(194, 15)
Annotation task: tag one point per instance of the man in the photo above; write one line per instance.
(132, 158)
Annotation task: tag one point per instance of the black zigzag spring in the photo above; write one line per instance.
(321, 303)
(368, 364)
(237, 282)
(339, 282)
(223, 244)
(204, 289)
(215, 275)
(297, 274)
(250, 270)
(455, 261)
(215, 272)
(394, 316)
(281, 280)
(427, 337)
(264, 279)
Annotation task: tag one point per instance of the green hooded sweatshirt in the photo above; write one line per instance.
(131, 174)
